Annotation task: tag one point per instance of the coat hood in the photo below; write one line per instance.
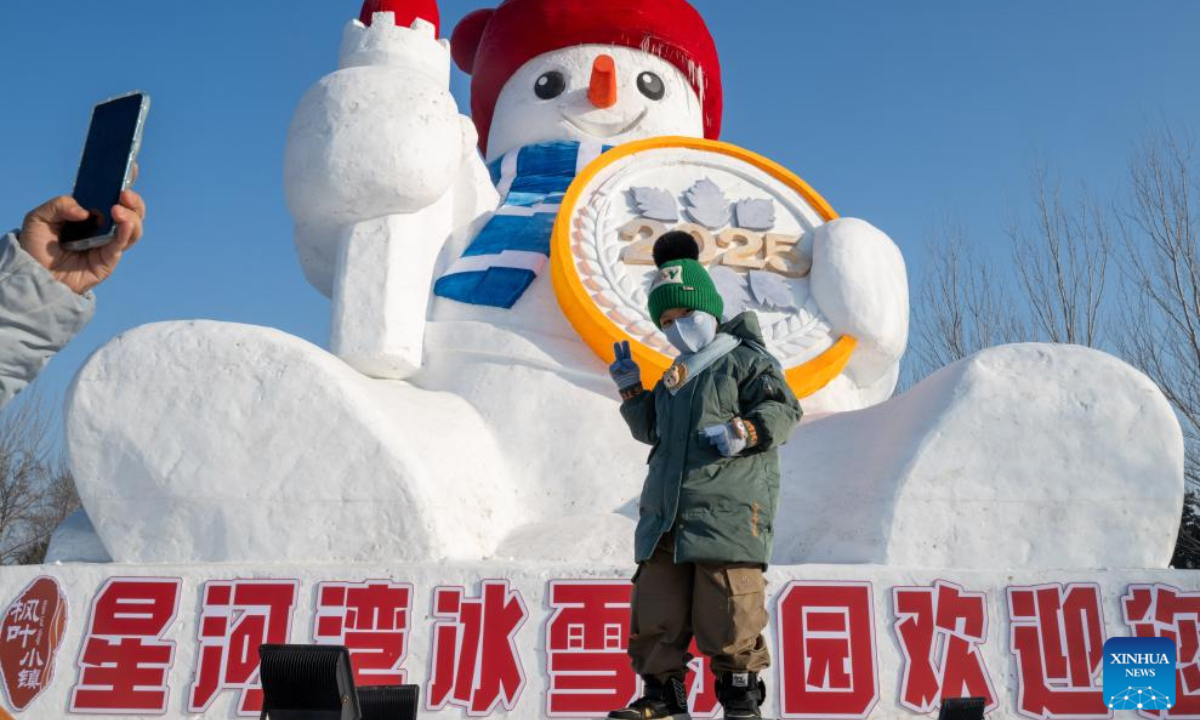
(744, 327)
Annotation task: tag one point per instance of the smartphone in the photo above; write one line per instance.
(106, 169)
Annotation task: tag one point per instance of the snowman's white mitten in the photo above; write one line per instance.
(380, 136)
(861, 286)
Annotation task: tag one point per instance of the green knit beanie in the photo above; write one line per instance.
(681, 282)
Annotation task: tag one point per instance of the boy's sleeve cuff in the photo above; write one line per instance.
(631, 392)
(751, 433)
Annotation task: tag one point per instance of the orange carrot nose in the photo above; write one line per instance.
(603, 91)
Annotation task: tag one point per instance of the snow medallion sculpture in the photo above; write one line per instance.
(479, 270)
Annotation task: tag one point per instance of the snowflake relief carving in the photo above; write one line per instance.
(755, 214)
(708, 206)
(656, 204)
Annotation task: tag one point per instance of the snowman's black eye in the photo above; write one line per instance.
(550, 85)
(651, 85)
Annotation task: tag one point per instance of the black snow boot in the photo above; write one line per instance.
(659, 701)
(742, 695)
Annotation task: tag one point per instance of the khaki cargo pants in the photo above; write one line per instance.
(722, 605)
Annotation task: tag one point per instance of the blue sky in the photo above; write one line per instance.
(898, 112)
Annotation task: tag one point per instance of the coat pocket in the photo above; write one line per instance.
(653, 450)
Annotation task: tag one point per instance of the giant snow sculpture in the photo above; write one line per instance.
(462, 410)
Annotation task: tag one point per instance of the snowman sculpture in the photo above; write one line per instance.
(464, 409)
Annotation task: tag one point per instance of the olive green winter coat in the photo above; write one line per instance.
(722, 508)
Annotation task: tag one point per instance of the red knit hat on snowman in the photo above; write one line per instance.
(491, 45)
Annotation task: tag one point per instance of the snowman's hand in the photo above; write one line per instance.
(861, 286)
(413, 48)
(381, 136)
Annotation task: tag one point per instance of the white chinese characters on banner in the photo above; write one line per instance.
(30, 634)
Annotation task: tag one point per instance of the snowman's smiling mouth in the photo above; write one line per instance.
(605, 130)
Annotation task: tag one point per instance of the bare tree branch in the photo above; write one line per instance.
(1057, 286)
(965, 305)
(1159, 327)
(36, 490)
(1062, 263)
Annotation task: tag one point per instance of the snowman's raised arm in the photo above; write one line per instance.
(377, 157)
(382, 134)
(860, 283)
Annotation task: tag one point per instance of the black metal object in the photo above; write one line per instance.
(962, 708)
(389, 702)
(307, 682)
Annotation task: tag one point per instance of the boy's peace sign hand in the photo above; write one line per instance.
(625, 371)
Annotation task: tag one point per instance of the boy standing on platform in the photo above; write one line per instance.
(708, 503)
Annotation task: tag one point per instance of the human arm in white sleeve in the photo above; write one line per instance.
(38, 316)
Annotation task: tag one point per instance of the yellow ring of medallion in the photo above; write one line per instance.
(600, 332)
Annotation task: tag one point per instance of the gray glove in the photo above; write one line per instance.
(731, 438)
(625, 372)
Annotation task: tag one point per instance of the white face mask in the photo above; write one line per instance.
(690, 334)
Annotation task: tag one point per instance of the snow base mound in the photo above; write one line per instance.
(210, 442)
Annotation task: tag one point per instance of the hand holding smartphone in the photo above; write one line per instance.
(78, 239)
(106, 169)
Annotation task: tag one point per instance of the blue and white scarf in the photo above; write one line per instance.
(508, 254)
